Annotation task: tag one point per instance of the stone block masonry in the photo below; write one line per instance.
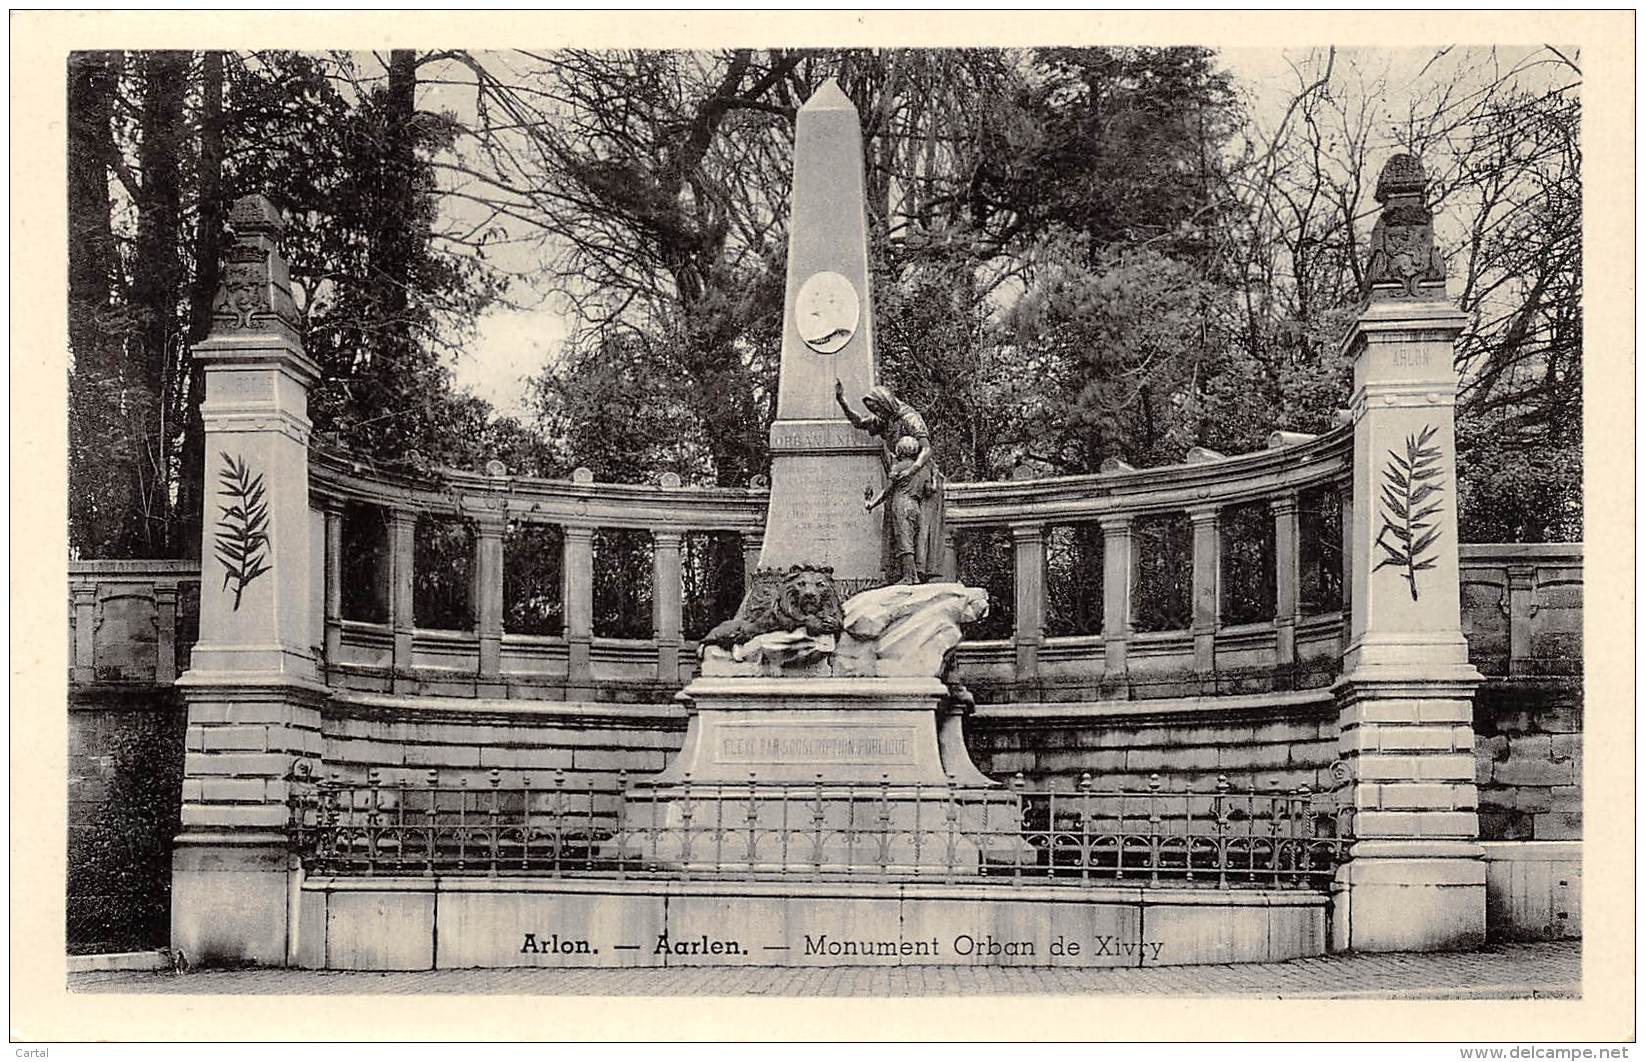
(1283, 742)
(1528, 760)
(404, 738)
(252, 688)
(1415, 880)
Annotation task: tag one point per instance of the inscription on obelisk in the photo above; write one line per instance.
(820, 464)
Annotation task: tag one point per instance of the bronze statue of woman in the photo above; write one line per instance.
(913, 534)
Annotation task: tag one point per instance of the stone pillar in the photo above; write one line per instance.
(578, 568)
(950, 556)
(1415, 880)
(84, 667)
(252, 689)
(751, 554)
(1345, 491)
(165, 639)
(334, 582)
(1207, 593)
(1287, 592)
(667, 591)
(1029, 541)
(1117, 568)
(1522, 606)
(489, 525)
(402, 593)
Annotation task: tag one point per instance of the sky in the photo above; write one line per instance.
(515, 342)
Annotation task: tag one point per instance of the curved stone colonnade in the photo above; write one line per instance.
(1209, 656)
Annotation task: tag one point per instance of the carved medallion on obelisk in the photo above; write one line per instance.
(826, 312)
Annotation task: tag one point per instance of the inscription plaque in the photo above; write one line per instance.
(885, 745)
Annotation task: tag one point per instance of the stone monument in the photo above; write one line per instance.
(831, 672)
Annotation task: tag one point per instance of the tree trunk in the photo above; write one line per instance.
(208, 249)
(386, 377)
(397, 237)
(94, 492)
(156, 288)
(91, 244)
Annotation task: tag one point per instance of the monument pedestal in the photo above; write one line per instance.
(826, 774)
(795, 730)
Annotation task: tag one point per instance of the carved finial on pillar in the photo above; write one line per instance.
(254, 294)
(1404, 263)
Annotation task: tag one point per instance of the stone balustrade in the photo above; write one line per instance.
(397, 652)
(1522, 608)
(132, 621)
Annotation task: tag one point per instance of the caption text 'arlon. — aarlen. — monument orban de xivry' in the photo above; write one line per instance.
(370, 795)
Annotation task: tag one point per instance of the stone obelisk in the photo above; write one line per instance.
(820, 464)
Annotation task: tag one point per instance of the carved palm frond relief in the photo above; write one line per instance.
(1412, 498)
(242, 530)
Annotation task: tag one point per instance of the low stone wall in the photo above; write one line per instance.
(1264, 741)
(461, 922)
(1267, 741)
(1528, 760)
(1528, 746)
(1533, 889)
(465, 740)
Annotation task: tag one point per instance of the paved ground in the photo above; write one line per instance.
(1511, 971)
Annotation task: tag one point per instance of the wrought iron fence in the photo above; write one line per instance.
(1220, 836)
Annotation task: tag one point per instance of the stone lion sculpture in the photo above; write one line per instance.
(801, 597)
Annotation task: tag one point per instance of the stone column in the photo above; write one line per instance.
(1522, 607)
(165, 640)
(1415, 880)
(1287, 594)
(1345, 491)
(1117, 545)
(84, 667)
(489, 525)
(252, 689)
(578, 568)
(667, 590)
(950, 556)
(1029, 541)
(751, 554)
(402, 594)
(1207, 593)
(334, 582)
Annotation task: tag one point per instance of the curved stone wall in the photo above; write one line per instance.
(1290, 648)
